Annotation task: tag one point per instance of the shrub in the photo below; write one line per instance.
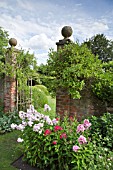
(43, 88)
(102, 130)
(6, 120)
(60, 144)
(39, 97)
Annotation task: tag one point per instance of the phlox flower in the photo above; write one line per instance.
(87, 124)
(31, 108)
(48, 120)
(63, 135)
(54, 142)
(47, 107)
(76, 148)
(30, 116)
(41, 124)
(20, 127)
(54, 121)
(30, 123)
(57, 118)
(40, 131)
(36, 127)
(56, 128)
(22, 115)
(80, 128)
(13, 126)
(20, 140)
(24, 123)
(47, 132)
(82, 139)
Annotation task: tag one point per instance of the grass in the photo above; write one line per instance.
(9, 150)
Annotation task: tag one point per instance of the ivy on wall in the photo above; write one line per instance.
(74, 66)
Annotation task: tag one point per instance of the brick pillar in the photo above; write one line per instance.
(62, 95)
(10, 91)
(87, 105)
(9, 94)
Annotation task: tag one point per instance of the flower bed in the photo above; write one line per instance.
(59, 144)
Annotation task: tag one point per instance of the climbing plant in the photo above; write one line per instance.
(73, 67)
(17, 64)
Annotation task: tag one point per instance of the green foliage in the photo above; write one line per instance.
(48, 143)
(42, 88)
(72, 67)
(3, 45)
(39, 98)
(103, 86)
(45, 76)
(102, 130)
(101, 46)
(6, 120)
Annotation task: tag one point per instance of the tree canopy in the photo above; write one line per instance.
(101, 46)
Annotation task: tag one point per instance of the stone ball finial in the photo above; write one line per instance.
(66, 31)
(13, 42)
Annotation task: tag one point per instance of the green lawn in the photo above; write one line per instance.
(9, 150)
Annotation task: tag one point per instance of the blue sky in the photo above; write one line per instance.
(37, 24)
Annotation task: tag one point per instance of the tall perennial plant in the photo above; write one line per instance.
(57, 144)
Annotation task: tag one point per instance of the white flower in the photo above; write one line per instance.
(24, 123)
(13, 126)
(20, 140)
(47, 107)
(30, 123)
(20, 127)
(22, 115)
(40, 131)
(32, 108)
(36, 128)
(41, 124)
(54, 121)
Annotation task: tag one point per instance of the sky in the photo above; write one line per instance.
(37, 24)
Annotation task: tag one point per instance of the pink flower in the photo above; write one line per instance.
(76, 148)
(57, 118)
(56, 128)
(54, 142)
(82, 139)
(71, 118)
(87, 124)
(80, 128)
(63, 135)
(47, 132)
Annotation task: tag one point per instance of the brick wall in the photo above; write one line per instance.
(87, 105)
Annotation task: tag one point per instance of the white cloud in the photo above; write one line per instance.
(25, 5)
(41, 58)
(4, 5)
(40, 41)
(37, 24)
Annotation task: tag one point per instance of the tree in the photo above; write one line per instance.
(3, 45)
(101, 46)
(45, 75)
